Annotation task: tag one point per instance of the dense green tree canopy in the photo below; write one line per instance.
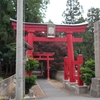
(93, 15)
(34, 11)
(87, 46)
(73, 12)
(73, 15)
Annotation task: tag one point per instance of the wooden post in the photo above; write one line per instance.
(70, 56)
(30, 42)
(48, 68)
(66, 68)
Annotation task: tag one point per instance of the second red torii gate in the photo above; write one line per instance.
(30, 28)
(44, 56)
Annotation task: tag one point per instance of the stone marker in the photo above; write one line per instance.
(95, 86)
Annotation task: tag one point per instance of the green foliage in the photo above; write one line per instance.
(90, 64)
(73, 12)
(7, 34)
(29, 82)
(93, 15)
(6, 12)
(34, 10)
(73, 15)
(1, 78)
(88, 71)
(31, 64)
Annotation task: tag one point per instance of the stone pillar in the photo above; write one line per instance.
(95, 86)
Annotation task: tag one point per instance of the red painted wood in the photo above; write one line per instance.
(66, 67)
(30, 42)
(48, 68)
(45, 39)
(80, 64)
(69, 30)
(70, 57)
(59, 28)
(44, 56)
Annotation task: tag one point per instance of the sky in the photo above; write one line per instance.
(56, 8)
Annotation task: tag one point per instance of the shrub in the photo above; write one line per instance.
(1, 78)
(88, 71)
(31, 64)
(29, 82)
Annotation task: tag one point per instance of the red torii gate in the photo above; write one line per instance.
(44, 56)
(30, 28)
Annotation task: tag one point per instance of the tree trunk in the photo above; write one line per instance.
(6, 71)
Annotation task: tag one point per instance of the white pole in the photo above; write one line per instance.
(19, 51)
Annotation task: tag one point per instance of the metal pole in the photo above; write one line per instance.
(19, 51)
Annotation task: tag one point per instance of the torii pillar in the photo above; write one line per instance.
(70, 56)
(30, 42)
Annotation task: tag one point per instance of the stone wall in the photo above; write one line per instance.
(6, 86)
(58, 75)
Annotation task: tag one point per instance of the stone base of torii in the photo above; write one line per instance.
(78, 87)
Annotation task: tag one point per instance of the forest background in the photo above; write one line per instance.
(34, 11)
